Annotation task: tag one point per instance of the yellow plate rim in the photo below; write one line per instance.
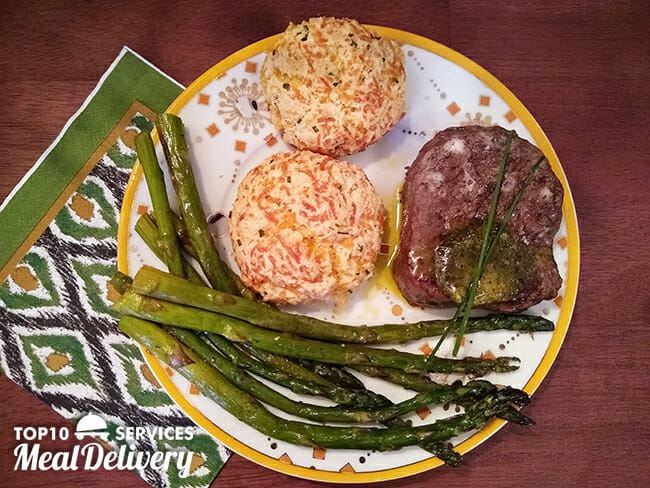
(571, 280)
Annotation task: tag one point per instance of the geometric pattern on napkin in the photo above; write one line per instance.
(59, 338)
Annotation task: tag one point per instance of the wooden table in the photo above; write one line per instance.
(581, 68)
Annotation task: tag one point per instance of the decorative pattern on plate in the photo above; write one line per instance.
(242, 104)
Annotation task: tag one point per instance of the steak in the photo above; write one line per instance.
(448, 188)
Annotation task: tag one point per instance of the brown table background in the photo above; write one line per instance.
(580, 67)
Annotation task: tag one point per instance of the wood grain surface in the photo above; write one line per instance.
(580, 67)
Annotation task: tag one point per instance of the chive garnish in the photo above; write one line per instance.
(488, 245)
(513, 205)
(465, 307)
(485, 243)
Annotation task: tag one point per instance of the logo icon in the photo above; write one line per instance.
(92, 425)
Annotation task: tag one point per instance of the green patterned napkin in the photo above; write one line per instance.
(59, 338)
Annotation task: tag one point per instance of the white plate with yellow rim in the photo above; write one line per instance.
(229, 132)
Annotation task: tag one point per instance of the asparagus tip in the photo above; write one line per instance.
(121, 282)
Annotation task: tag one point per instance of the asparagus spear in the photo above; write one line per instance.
(174, 145)
(243, 380)
(183, 235)
(156, 183)
(321, 372)
(169, 313)
(444, 451)
(158, 284)
(121, 282)
(147, 230)
(339, 395)
(285, 364)
(411, 381)
(516, 417)
(247, 409)
(147, 222)
(421, 383)
(363, 395)
(282, 363)
(332, 373)
(184, 240)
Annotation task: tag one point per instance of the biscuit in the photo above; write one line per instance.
(332, 86)
(305, 227)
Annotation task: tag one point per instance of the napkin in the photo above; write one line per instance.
(59, 338)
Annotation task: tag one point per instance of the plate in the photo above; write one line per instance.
(229, 132)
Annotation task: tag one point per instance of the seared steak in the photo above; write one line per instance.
(448, 188)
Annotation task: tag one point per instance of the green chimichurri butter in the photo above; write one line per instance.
(507, 272)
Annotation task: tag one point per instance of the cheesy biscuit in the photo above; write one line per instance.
(332, 86)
